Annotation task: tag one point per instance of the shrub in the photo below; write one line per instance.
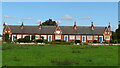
(27, 39)
(111, 41)
(39, 41)
(95, 41)
(118, 40)
(21, 40)
(77, 41)
(45, 41)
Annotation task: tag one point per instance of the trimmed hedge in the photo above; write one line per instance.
(26, 39)
(39, 41)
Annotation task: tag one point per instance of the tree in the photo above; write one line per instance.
(6, 37)
(114, 35)
(49, 23)
(118, 32)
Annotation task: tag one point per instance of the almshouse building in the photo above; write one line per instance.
(66, 33)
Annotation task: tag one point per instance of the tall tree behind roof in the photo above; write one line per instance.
(49, 23)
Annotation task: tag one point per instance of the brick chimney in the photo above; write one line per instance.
(57, 23)
(75, 27)
(40, 25)
(22, 26)
(92, 26)
(4, 24)
(109, 25)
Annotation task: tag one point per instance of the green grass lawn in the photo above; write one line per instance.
(59, 55)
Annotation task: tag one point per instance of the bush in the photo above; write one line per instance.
(45, 41)
(39, 41)
(118, 40)
(26, 39)
(77, 41)
(20, 40)
(95, 41)
(113, 41)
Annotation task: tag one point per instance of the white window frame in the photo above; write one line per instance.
(89, 37)
(78, 37)
(37, 36)
(19, 36)
(57, 37)
(96, 37)
(108, 37)
(72, 37)
(45, 36)
(24, 36)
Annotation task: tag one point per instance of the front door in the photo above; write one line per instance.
(83, 38)
(65, 38)
(49, 38)
(100, 39)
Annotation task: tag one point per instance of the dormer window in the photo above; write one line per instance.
(58, 31)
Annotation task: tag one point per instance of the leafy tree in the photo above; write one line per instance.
(49, 23)
(114, 35)
(118, 32)
(6, 37)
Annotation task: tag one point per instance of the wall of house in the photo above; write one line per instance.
(87, 38)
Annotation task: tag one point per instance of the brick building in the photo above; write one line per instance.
(66, 33)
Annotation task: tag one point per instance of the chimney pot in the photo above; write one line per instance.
(92, 26)
(75, 27)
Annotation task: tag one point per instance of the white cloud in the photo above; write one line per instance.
(85, 18)
(58, 22)
(27, 19)
(10, 17)
(19, 22)
(38, 21)
(67, 17)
